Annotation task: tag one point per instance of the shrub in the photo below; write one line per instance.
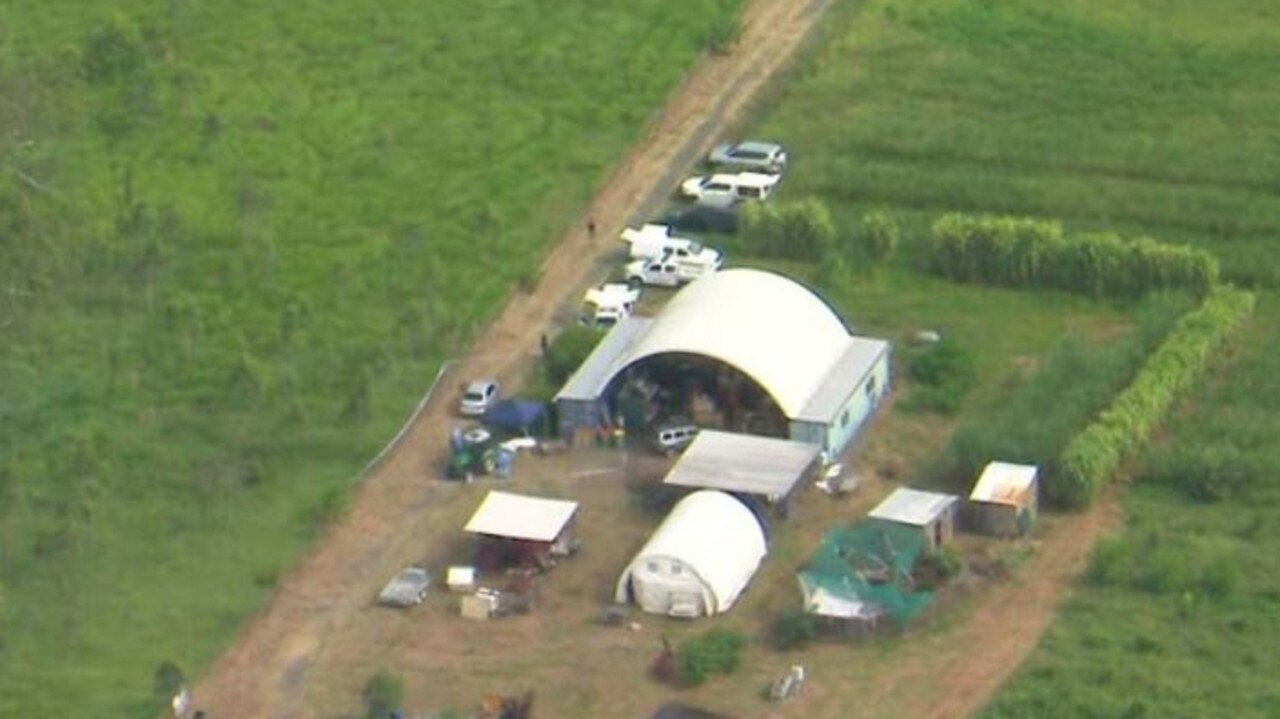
(568, 351)
(879, 236)
(945, 371)
(935, 569)
(1108, 563)
(1022, 252)
(167, 680)
(794, 231)
(1092, 456)
(383, 694)
(717, 651)
(724, 34)
(793, 629)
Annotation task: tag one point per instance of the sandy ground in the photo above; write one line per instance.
(308, 652)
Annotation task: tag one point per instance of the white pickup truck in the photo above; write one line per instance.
(668, 271)
(606, 305)
(654, 241)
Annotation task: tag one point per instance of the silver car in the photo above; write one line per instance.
(752, 155)
(477, 397)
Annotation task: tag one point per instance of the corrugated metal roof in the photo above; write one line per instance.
(912, 506)
(595, 372)
(743, 463)
(1004, 483)
(859, 358)
(517, 516)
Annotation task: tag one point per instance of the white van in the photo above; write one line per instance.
(652, 241)
(731, 188)
(608, 304)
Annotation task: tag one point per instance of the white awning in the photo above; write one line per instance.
(517, 516)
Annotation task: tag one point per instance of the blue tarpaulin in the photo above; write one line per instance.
(515, 415)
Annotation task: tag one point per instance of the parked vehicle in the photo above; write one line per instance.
(406, 589)
(751, 155)
(740, 186)
(668, 271)
(703, 218)
(674, 435)
(608, 304)
(477, 396)
(656, 241)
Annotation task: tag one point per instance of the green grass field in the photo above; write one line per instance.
(1148, 119)
(1154, 119)
(236, 240)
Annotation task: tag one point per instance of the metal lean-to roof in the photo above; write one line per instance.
(743, 463)
(517, 516)
(1004, 483)
(912, 506)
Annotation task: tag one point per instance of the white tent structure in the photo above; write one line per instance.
(698, 560)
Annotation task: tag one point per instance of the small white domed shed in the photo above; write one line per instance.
(698, 561)
(754, 328)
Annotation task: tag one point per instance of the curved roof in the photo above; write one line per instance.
(773, 329)
(716, 537)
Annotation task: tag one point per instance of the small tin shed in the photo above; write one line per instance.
(932, 514)
(1004, 500)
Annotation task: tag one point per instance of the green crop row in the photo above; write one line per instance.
(1023, 252)
(1093, 456)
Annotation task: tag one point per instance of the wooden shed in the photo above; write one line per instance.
(933, 515)
(1005, 500)
(516, 530)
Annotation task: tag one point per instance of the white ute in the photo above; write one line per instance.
(652, 241)
(667, 271)
(606, 305)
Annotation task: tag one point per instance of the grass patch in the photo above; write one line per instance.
(1177, 614)
(238, 242)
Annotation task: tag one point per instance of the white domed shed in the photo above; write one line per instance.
(698, 560)
(773, 329)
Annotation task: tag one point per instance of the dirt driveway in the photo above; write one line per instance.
(307, 652)
(264, 673)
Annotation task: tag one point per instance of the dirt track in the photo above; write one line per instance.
(264, 672)
(947, 673)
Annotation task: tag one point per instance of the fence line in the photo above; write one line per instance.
(404, 430)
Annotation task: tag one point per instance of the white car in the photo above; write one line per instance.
(477, 397)
(729, 188)
(653, 241)
(752, 155)
(606, 305)
(667, 271)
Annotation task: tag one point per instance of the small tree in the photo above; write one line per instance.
(717, 651)
(879, 236)
(167, 680)
(793, 629)
(568, 351)
(383, 694)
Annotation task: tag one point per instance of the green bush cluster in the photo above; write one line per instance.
(1023, 252)
(567, 352)
(800, 230)
(945, 371)
(383, 693)
(1092, 456)
(717, 651)
(793, 629)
